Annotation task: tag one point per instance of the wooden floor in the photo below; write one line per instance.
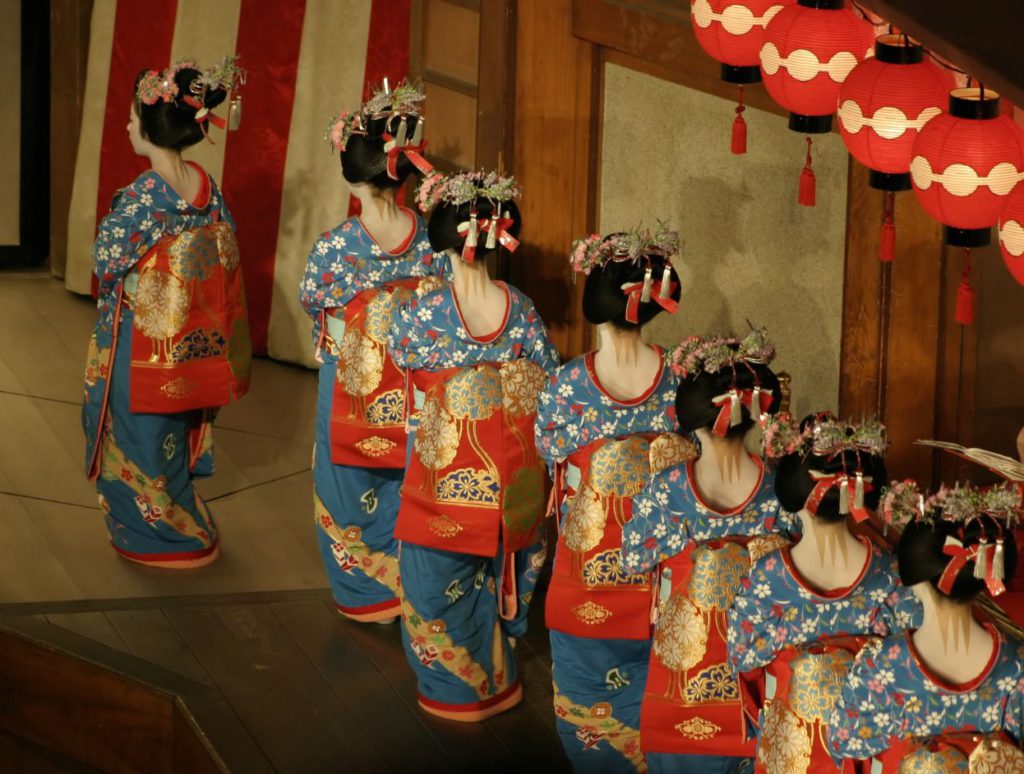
(306, 691)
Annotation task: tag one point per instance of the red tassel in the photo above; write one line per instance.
(807, 184)
(887, 244)
(965, 294)
(739, 129)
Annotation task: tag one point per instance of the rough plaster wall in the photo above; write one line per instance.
(750, 251)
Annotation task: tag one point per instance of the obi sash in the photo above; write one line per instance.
(800, 688)
(190, 337)
(692, 702)
(590, 594)
(368, 408)
(960, 752)
(474, 475)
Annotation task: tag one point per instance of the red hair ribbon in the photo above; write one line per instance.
(634, 291)
(731, 405)
(851, 492)
(414, 153)
(981, 553)
(204, 115)
(498, 228)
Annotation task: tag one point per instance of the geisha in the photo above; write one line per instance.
(477, 355)
(355, 276)
(949, 695)
(606, 421)
(172, 341)
(700, 524)
(805, 611)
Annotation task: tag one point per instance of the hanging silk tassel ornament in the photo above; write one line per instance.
(235, 113)
(403, 132)
(666, 282)
(965, 293)
(739, 128)
(999, 561)
(417, 133)
(844, 496)
(980, 563)
(492, 231)
(858, 492)
(755, 401)
(807, 183)
(645, 294)
(887, 244)
(735, 407)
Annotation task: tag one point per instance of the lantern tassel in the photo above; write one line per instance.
(807, 183)
(887, 244)
(739, 128)
(965, 294)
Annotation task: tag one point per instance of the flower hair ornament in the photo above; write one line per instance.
(698, 355)
(999, 506)
(161, 86)
(636, 246)
(469, 188)
(400, 104)
(828, 437)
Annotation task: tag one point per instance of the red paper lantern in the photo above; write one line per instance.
(1011, 234)
(731, 32)
(809, 50)
(883, 104)
(965, 164)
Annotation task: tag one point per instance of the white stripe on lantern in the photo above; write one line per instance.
(804, 65)
(961, 180)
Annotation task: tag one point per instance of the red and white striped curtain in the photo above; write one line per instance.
(306, 59)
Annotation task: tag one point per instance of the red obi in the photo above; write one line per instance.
(190, 337)
(692, 702)
(800, 688)
(474, 475)
(964, 751)
(368, 409)
(590, 594)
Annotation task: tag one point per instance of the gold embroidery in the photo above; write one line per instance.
(360, 365)
(227, 246)
(162, 304)
(375, 446)
(474, 394)
(591, 613)
(716, 575)
(437, 439)
(680, 640)
(378, 316)
(785, 745)
(605, 570)
(443, 526)
(178, 388)
(468, 486)
(620, 467)
(947, 760)
(762, 546)
(698, 728)
(817, 682)
(670, 449)
(524, 499)
(994, 756)
(193, 254)
(716, 683)
(620, 737)
(388, 408)
(584, 523)
(429, 285)
(521, 383)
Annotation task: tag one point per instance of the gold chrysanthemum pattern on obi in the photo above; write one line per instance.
(444, 526)
(227, 246)
(178, 388)
(591, 613)
(584, 523)
(785, 746)
(162, 305)
(716, 575)
(698, 728)
(468, 486)
(762, 545)
(437, 439)
(670, 449)
(521, 383)
(994, 756)
(474, 394)
(681, 638)
(605, 570)
(620, 468)
(375, 446)
(388, 408)
(715, 683)
(947, 760)
(360, 363)
(817, 683)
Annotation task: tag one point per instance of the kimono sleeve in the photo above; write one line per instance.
(864, 719)
(656, 531)
(556, 425)
(328, 281)
(1013, 713)
(536, 344)
(750, 644)
(125, 234)
(412, 341)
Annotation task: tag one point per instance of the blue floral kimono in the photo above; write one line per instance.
(599, 616)
(144, 463)
(355, 505)
(895, 710)
(794, 645)
(461, 609)
(692, 716)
